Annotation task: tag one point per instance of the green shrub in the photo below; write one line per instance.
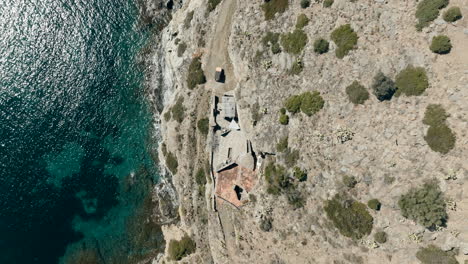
(380, 237)
(452, 14)
(178, 110)
(180, 249)
(181, 49)
(435, 255)
(275, 48)
(411, 81)
(349, 217)
(384, 88)
(427, 11)
(374, 204)
(299, 174)
(311, 103)
(294, 42)
(284, 119)
(302, 21)
(203, 126)
(271, 39)
(282, 145)
(171, 162)
(440, 138)
(272, 7)
(188, 19)
(293, 104)
(305, 3)
(195, 74)
(276, 178)
(296, 68)
(357, 93)
(212, 4)
(349, 181)
(283, 111)
(441, 44)
(327, 3)
(200, 177)
(321, 46)
(425, 205)
(435, 115)
(345, 39)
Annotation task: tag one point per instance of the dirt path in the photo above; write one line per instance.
(218, 55)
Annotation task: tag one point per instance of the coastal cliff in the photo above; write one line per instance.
(342, 138)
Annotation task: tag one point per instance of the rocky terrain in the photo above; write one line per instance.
(381, 144)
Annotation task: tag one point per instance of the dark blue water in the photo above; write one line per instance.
(74, 129)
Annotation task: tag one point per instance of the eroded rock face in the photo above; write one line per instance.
(381, 144)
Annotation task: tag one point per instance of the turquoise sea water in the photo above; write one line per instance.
(75, 148)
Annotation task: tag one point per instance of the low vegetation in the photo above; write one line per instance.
(203, 126)
(350, 217)
(297, 67)
(279, 182)
(180, 249)
(383, 87)
(293, 104)
(266, 224)
(181, 49)
(167, 116)
(349, 181)
(425, 205)
(305, 3)
(345, 39)
(380, 237)
(441, 44)
(328, 3)
(188, 19)
(256, 114)
(290, 157)
(411, 81)
(427, 11)
(321, 46)
(309, 103)
(276, 178)
(435, 115)
(357, 94)
(284, 119)
(294, 42)
(195, 74)
(282, 145)
(299, 174)
(178, 110)
(272, 7)
(171, 162)
(452, 14)
(439, 137)
(212, 4)
(271, 40)
(433, 254)
(302, 21)
(374, 204)
(200, 179)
